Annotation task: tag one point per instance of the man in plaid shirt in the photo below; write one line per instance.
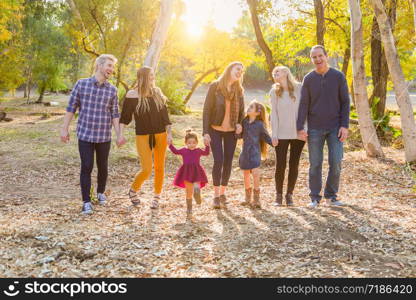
(97, 102)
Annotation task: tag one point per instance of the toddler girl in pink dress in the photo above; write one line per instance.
(191, 175)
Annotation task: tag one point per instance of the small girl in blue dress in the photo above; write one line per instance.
(255, 137)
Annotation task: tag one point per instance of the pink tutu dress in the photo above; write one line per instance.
(191, 169)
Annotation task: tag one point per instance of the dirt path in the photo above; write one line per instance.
(43, 234)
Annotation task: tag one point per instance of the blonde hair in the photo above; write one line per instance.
(259, 107)
(225, 78)
(100, 60)
(292, 83)
(146, 88)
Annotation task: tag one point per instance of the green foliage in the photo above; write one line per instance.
(175, 91)
(382, 124)
(45, 44)
(255, 73)
(11, 55)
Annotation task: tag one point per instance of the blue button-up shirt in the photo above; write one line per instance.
(98, 106)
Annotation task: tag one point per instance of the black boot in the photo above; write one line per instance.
(247, 199)
(279, 200)
(289, 200)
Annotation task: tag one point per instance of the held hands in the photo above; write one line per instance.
(207, 139)
(64, 135)
(275, 142)
(170, 140)
(238, 129)
(302, 135)
(121, 140)
(343, 134)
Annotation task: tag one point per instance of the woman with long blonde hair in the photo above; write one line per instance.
(153, 131)
(285, 99)
(222, 116)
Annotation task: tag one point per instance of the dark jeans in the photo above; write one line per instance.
(316, 141)
(223, 147)
(296, 147)
(86, 152)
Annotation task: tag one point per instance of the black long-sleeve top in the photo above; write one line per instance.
(150, 122)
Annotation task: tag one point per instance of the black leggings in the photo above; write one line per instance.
(296, 147)
(86, 152)
(223, 147)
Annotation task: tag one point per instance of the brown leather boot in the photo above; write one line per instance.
(247, 200)
(223, 201)
(256, 198)
(189, 206)
(217, 203)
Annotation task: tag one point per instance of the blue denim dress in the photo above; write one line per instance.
(253, 133)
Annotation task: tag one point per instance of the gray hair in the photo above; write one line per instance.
(100, 60)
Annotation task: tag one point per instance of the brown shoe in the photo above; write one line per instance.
(289, 200)
(247, 200)
(217, 203)
(256, 199)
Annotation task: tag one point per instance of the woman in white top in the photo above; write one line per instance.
(285, 98)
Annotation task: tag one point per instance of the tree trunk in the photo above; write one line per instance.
(379, 68)
(123, 58)
(400, 87)
(320, 21)
(41, 93)
(159, 34)
(414, 13)
(347, 56)
(368, 132)
(197, 82)
(252, 4)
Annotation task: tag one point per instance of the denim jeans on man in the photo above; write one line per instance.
(316, 142)
(86, 152)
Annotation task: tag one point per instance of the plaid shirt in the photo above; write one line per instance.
(98, 106)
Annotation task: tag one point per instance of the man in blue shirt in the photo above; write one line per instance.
(325, 104)
(97, 102)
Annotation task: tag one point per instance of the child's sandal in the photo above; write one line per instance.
(133, 197)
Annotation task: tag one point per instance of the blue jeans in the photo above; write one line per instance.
(223, 147)
(316, 141)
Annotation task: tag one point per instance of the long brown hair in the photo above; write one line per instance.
(262, 116)
(225, 78)
(146, 88)
(291, 83)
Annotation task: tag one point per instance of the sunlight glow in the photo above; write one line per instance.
(223, 13)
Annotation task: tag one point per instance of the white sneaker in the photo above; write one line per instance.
(334, 203)
(313, 204)
(87, 208)
(102, 199)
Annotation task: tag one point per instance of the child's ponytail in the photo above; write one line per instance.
(190, 134)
